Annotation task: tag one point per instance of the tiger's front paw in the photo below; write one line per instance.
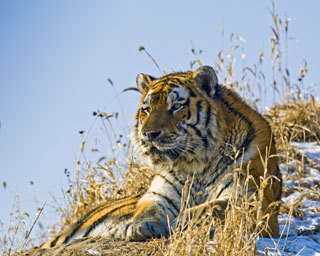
(142, 230)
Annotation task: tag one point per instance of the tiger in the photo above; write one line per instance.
(188, 125)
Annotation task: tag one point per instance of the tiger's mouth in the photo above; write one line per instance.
(169, 150)
(172, 154)
(164, 146)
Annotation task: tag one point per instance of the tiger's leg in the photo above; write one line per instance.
(217, 202)
(107, 220)
(158, 207)
(217, 207)
(150, 221)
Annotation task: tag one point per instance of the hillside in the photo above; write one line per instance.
(299, 152)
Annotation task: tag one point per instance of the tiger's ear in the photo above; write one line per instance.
(206, 79)
(143, 81)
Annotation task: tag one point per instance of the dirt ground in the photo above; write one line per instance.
(99, 246)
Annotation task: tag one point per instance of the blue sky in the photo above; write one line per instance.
(56, 57)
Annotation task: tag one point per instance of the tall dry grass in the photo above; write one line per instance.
(293, 117)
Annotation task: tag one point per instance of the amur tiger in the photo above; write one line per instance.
(187, 125)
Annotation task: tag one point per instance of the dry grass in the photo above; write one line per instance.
(119, 174)
(295, 121)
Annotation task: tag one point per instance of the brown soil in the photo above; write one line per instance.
(99, 246)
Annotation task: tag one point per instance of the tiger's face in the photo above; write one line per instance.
(176, 116)
(164, 115)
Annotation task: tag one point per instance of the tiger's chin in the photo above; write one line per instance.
(162, 153)
(165, 146)
(172, 154)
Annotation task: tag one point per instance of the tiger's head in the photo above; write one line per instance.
(176, 121)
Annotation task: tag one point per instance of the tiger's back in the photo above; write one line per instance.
(188, 125)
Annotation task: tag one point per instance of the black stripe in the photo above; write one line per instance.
(211, 136)
(168, 208)
(168, 181)
(80, 222)
(279, 174)
(125, 216)
(173, 154)
(181, 128)
(191, 151)
(240, 115)
(221, 166)
(193, 126)
(176, 178)
(189, 114)
(196, 130)
(208, 115)
(225, 187)
(176, 95)
(167, 80)
(187, 103)
(104, 217)
(192, 94)
(97, 222)
(216, 173)
(167, 199)
(217, 92)
(174, 86)
(231, 109)
(126, 229)
(115, 224)
(158, 82)
(247, 141)
(199, 108)
(53, 243)
(205, 141)
(251, 131)
(180, 79)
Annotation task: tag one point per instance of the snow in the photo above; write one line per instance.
(310, 149)
(300, 233)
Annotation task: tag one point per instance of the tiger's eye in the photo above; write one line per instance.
(177, 106)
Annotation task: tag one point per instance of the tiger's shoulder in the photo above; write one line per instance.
(238, 112)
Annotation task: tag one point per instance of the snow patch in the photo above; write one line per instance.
(300, 234)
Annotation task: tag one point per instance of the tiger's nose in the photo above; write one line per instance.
(152, 135)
